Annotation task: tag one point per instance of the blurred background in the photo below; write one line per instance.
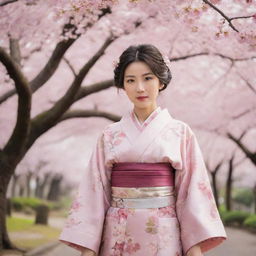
(57, 95)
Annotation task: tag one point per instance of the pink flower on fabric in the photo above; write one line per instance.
(119, 215)
(214, 212)
(118, 138)
(131, 247)
(118, 246)
(76, 205)
(122, 214)
(205, 189)
(207, 192)
(118, 230)
(114, 138)
(118, 249)
(168, 211)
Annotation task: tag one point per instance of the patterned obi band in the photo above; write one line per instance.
(142, 185)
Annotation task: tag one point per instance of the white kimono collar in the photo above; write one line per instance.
(142, 125)
(138, 140)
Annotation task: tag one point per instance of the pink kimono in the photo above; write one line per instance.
(191, 219)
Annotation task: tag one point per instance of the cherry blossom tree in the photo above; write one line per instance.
(57, 53)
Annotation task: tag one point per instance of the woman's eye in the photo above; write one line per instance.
(148, 78)
(130, 81)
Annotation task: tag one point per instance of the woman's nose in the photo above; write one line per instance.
(140, 87)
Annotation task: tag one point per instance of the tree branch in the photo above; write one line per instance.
(51, 65)
(17, 141)
(242, 17)
(248, 84)
(87, 90)
(215, 169)
(245, 112)
(188, 56)
(222, 14)
(247, 152)
(89, 113)
(213, 54)
(3, 3)
(70, 66)
(48, 70)
(15, 51)
(47, 119)
(229, 20)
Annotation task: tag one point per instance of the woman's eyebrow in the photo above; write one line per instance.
(149, 73)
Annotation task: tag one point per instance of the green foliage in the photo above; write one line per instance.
(235, 217)
(222, 210)
(64, 203)
(243, 196)
(250, 222)
(17, 224)
(23, 203)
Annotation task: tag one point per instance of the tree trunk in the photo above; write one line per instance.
(54, 191)
(8, 207)
(21, 190)
(28, 181)
(14, 185)
(42, 213)
(41, 183)
(254, 196)
(26, 130)
(229, 185)
(46, 181)
(215, 190)
(37, 187)
(6, 171)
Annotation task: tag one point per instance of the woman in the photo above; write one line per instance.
(146, 190)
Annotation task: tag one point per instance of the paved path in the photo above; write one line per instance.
(62, 250)
(239, 243)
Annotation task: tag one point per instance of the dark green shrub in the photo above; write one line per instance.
(63, 203)
(16, 204)
(222, 210)
(250, 222)
(22, 203)
(243, 196)
(235, 218)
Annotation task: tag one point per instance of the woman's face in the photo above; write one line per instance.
(141, 85)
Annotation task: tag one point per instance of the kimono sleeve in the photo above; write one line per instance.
(198, 216)
(84, 225)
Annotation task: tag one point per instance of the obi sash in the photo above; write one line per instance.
(127, 174)
(142, 185)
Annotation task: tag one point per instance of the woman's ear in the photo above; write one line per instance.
(161, 86)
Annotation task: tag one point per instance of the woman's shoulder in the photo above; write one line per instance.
(180, 126)
(111, 127)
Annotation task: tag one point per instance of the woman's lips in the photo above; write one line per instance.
(142, 98)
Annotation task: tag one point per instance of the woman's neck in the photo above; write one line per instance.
(143, 113)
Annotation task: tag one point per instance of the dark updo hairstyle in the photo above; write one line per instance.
(146, 53)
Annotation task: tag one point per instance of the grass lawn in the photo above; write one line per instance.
(25, 234)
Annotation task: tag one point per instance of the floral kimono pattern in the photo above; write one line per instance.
(192, 218)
